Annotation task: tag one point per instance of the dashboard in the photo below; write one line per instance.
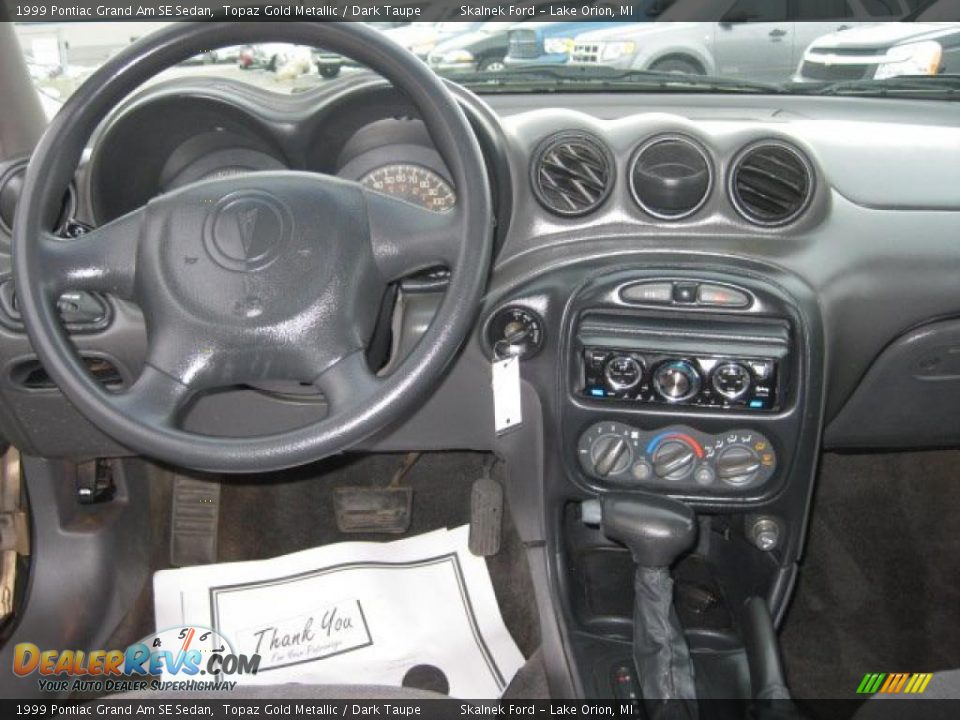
(812, 203)
(702, 292)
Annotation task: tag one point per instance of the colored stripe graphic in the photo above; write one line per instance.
(891, 681)
(894, 683)
(870, 683)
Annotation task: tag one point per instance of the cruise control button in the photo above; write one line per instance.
(656, 292)
(722, 296)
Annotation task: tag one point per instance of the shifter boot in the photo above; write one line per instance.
(657, 530)
(660, 649)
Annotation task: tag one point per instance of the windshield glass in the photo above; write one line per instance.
(753, 49)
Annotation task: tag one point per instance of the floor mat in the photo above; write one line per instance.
(878, 588)
(413, 611)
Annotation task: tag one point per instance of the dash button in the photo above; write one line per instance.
(685, 292)
(651, 292)
(722, 296)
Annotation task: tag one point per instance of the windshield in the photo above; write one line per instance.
(753, 49)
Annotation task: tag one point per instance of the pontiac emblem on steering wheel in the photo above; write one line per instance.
(247, 231)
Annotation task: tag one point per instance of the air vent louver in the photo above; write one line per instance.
(572, 173)
(771, 183)
(671, 177)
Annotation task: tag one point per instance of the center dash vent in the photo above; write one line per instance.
(671, 177)
(771, 183)
(572, 173)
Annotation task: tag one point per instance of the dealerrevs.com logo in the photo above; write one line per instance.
(183, 658)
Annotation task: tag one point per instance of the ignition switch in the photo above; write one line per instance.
(515, 332)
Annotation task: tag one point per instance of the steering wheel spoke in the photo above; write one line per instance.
(348, 381)
(102, 260)
(156, 396)
(406, 238)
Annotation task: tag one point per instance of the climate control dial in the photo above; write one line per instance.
(674, 460)
(610, 454)
(607, 450)
(738, 465)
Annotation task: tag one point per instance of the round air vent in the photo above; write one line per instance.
(572, 173)
(671, 177)
(11, 185)
(771, 183)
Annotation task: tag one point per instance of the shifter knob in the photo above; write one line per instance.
(656, 529)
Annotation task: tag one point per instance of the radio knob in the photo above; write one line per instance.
(676, 381)
(623, 372)
(611, 455)
(737, 465)
(731, 380)
(673, 460)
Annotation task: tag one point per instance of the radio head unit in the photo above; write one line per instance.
(698, 363)
(650, 376)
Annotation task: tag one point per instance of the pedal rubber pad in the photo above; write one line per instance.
(486, 517)
(194, 522)
(373, 510)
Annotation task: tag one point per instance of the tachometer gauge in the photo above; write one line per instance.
(413, 183)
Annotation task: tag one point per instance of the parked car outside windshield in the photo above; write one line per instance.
(754, 49)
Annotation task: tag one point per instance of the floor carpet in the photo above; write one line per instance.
(879, 587)
(278, 513)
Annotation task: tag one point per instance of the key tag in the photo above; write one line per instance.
(506, 394)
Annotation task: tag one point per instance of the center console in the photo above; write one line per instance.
(694, 384)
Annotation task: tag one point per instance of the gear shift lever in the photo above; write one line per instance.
(656, 530)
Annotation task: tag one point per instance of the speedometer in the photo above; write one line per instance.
(413, 183)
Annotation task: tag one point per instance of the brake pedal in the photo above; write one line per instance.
(486, 516)
(194, 522)
(373, 510)
(377, 510)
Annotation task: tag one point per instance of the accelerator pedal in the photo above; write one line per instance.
(486, 515)
(194, 522)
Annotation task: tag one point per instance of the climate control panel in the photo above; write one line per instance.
(676, 458)
(715, 381)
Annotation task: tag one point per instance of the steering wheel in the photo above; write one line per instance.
(254, 277)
